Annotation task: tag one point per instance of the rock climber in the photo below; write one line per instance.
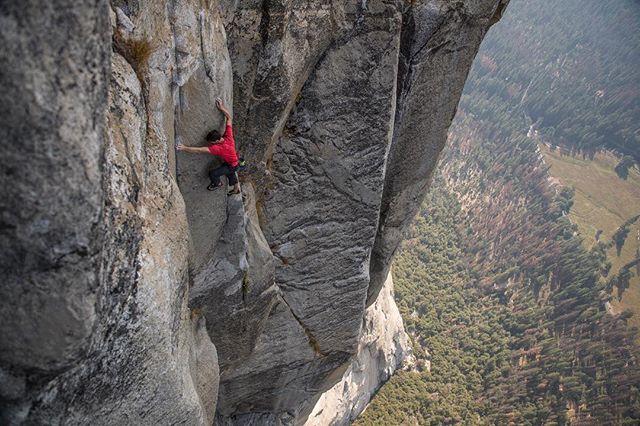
(224, 147)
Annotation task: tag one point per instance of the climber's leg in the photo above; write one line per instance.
(214, 176)
(233, 181)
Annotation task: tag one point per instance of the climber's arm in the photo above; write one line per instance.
(222, 109)
(193, 149)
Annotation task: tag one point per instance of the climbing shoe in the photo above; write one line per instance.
(213, 187)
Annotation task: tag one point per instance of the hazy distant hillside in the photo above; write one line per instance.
(572, 66)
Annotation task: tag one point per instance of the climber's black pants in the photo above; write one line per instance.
(224, 170)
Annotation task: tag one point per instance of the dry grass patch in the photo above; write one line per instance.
(136, 51)
(603, 201)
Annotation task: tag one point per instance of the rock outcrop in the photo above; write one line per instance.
(95, 243)
(132, 295)
(440, 39)
(383, 348)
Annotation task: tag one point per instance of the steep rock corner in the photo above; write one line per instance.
(135, 295)
(384, 347)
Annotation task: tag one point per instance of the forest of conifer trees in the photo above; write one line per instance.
(495, 283)
(569, 67)
(496, 288)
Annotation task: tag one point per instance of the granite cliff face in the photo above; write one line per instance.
(383, 348)
(131, 294)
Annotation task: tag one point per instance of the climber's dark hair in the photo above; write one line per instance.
(213, 136)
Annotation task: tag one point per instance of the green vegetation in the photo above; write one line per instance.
(620, 236)
(495, 284)
(570, 67)
(604, 211)
(505, 281)
(456, 322)
(622, 168)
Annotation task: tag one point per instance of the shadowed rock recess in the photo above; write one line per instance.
(131, 294)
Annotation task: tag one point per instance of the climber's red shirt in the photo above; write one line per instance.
(227, 149)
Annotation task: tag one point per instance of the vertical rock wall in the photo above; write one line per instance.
(319, 212)
(383, 347)
(440, 40)
(55, 86)
(99, 280)
(339, 160)
(122, 271)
